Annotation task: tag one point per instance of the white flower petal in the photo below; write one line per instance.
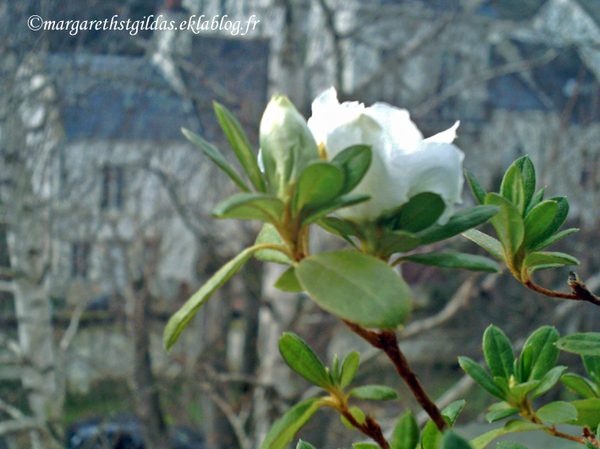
(402, 134)
(447, 136)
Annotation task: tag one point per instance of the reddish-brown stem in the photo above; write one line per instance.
(580, 291)
(370, 428)
(387, 341)
(557, 433)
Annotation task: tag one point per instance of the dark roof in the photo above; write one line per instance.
(121, 97)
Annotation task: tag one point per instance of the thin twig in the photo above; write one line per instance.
(387, 341)
(580, 290)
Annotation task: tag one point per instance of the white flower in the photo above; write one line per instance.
(403, 163)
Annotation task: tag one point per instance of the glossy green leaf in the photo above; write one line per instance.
(580, 385)
(356, 287)
(490, 244)
(555, 238)
(460, 222)
(375, 393)
(288, 282)
(503, 384)
(406, 432)
(304, 445)
(420, 212)
(455, 441)
(498, 352)
(561, 216)
(513, 188)
(508, 223)
(583, 344)
(283, 431)
(538, 221)
(431, 436)
(338, 227)
(365, 446)
(549, 380)
(528, 173)
(542, 260)
(392, 242)
(357, 414)
(302, 359)
(355, 162)
(544, 354)
(520, 391)
(269, 235)
(217, 157)
(538, 197)
(455, 260)
(592, 366)
(349, 367)
(497, 415)
(478, 191)
(558, 412)
(510, 445)
(241, 146)
(250, 206)
(483, 379)
(453, 410)
(319, 184)
(515, 425)
(181, 318)
(338, 203)
(588, 412)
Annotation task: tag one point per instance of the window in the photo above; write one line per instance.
(80, 255)
(112, 187)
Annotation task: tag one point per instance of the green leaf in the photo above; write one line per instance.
(498, 352)
(481, 376)
(550, 379)
(497, 415)
(335, 369)
(490, 244)
(431, 436)
(288, 282)
(302, 359)
(460, 222)
(454, 441)
(338, 203)
(542, 260)
(182, 317)
(319, 184)
(583, 344)
(580, 385)
(241, 146)
(406, 432)
(357, 414)
(420, 212)
(558, 412)
(513, 188)
(515, 425)
(588, 412)
(374, 393)
(592, 366)
(356, 287)
(453, 410)
(251, 206)
(528, 172)
(304, 445)
(561, 216)
(283, 431)
(555, 238)
(365, 446)
(349, 367)
(538, 221)
(355, 162)
(456, 260)
(508, 223)
(478, 191)
(521, 390)
(217, 157)
(392, 242)
(537, 199)
(544, 354)
(269, 235)
(510, 445)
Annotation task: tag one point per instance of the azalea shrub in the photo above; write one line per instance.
(367, 176)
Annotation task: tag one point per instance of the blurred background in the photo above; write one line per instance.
(105, 225)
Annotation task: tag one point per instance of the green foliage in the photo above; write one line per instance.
(302, 359)
(588, 412)
(356, 287)
(513, 426)
(406, 433)
(456, 261)
(251, 206)
(374, 393)
(288, 282)
(304, 445)
(357, 414)
(283, 431)
(269, 235)
(582, 344)
(557, 412)
(349, 367)
(455, 441)
(526, 223)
